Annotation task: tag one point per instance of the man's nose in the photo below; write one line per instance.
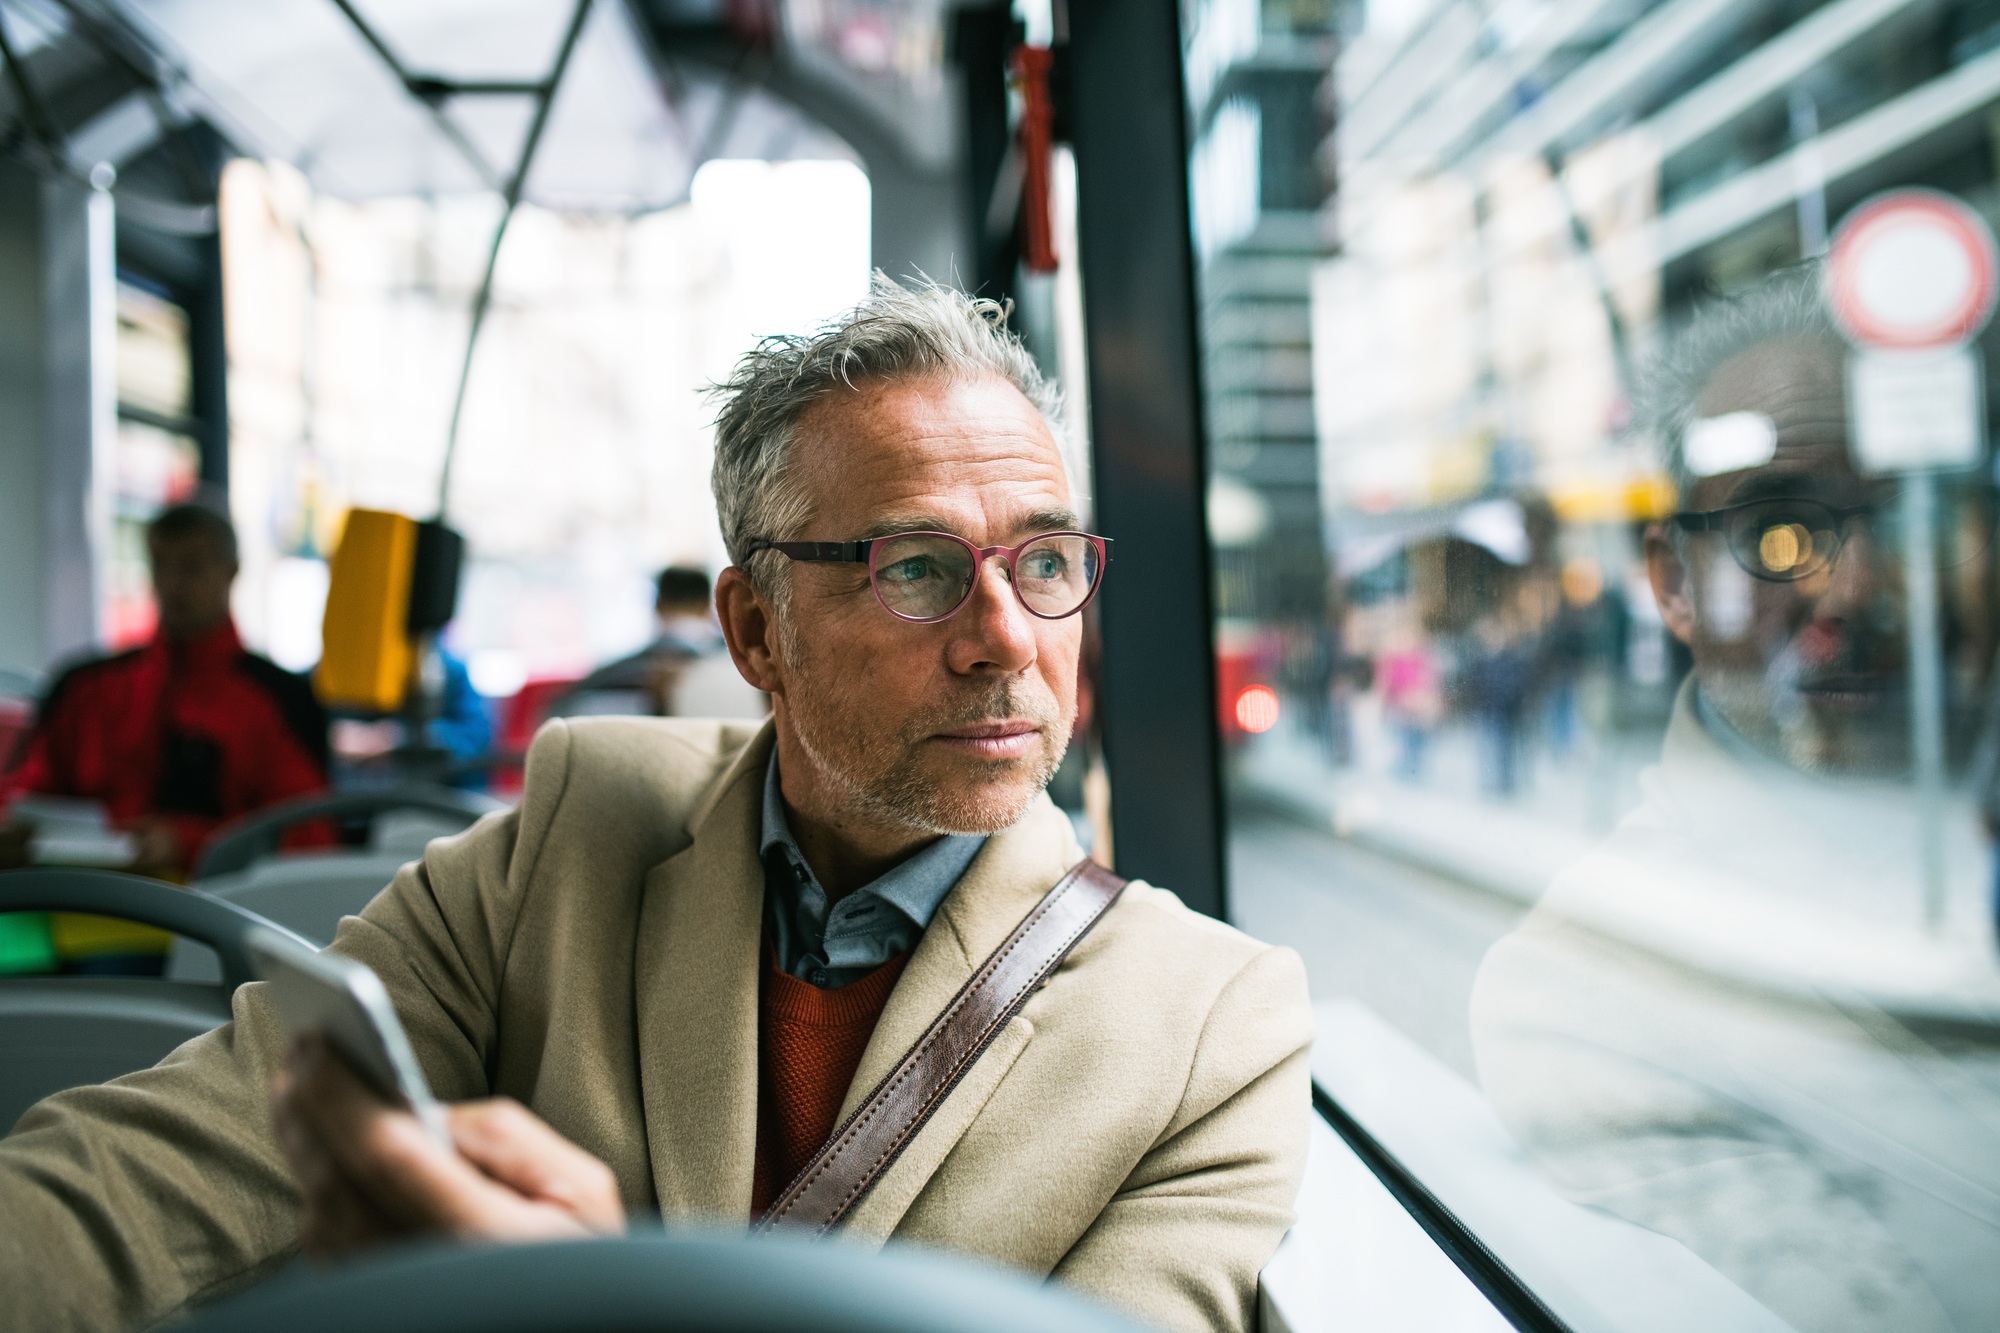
(1860, 574)
(994, 633)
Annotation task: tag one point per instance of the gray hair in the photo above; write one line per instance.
(896, 332)
(1788, 306)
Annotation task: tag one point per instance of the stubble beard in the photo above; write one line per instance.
(1770, 711)
(878, 775)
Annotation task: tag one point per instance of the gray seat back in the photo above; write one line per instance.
(63, 1032)
(254, 837)
(306, 893)
(59, 1032)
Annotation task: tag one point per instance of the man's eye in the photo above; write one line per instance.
(910, 570)
(1044, 565)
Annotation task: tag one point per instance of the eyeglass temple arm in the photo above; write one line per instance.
(852, 553)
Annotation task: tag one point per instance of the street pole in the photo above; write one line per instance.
(1912, 276)
(1926, 676)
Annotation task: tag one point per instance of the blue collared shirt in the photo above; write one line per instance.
(832, 946)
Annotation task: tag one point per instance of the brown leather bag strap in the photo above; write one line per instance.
(868, 1141)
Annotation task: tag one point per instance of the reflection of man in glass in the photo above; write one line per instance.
(1728, 1023)
(1776, 574)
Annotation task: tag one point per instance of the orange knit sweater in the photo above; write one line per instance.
(810, 1044)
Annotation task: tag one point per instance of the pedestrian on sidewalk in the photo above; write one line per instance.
(1499, 684)
(1411, 697)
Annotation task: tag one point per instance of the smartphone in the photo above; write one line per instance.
(345, 1003)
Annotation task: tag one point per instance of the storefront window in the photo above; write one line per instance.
(1611, 711)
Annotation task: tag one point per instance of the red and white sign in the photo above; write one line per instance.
(1912, 270)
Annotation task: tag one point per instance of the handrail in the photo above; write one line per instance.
(149, 902)
(237, 845)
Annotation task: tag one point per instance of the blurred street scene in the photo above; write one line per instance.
(1559, 557)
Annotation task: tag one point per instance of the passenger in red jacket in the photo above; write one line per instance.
(188, 732)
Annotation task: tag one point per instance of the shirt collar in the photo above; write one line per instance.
(915, 888)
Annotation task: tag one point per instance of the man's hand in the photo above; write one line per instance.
(369, 1173)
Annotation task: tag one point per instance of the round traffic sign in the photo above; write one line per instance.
(1912, 269)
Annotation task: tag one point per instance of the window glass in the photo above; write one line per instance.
(1607, 620)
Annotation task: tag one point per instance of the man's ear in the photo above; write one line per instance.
(1672, 588)
(749, 628)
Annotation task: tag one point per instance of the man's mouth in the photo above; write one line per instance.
(1007, 738)
(1846, 691)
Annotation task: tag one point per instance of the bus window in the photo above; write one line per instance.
(1609, 707)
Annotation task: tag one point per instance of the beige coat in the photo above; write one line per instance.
(1138, 1131)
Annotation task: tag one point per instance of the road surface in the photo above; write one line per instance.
(1403, 940)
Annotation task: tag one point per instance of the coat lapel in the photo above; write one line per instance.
(697, 969)
(1011, 874)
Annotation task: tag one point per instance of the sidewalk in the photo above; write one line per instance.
(1513, 850)
(1516, 849)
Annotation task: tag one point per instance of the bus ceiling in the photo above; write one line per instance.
(436, 96)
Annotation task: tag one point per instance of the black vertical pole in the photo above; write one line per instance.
(982, 36)
(1157, 693)
(208, 355)
(202, 154)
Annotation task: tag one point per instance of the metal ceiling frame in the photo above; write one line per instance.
(433, 92)
(545, 96)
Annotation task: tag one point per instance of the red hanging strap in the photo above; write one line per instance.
(1031, 66)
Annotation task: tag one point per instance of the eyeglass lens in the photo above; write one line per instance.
(1786, 539)
(925, 576)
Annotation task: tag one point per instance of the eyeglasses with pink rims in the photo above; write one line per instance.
(925, 577)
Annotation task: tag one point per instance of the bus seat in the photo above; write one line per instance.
(656, 1281)
(255, 837)
(58, 1032)
(307, 894)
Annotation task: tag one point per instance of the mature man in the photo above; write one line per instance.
(694, 945)
(188, 731)
(1725, 1023)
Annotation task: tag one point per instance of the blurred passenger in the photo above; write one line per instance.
(684, 672)
(463, 728)
(684, 629)
(1412, 697)
(175, 738)
(1728, 1023)
(693, 941)
(458, 727)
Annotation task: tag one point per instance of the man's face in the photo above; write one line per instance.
(191, 578)
(951, 727)
(1809, 671)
